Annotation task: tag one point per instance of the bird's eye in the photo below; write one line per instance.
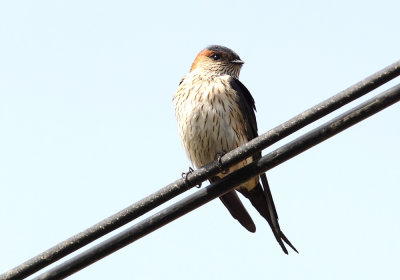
(216, 56)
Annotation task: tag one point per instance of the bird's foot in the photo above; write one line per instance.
(219, 159)
(185, 175)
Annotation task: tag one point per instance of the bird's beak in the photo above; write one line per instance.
(237, 61)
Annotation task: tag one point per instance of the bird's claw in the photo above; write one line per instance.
(219, 159)
(185, 175)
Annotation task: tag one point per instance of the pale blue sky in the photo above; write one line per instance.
(88, 127)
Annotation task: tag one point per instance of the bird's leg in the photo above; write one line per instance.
(185, 175)
(219, 159)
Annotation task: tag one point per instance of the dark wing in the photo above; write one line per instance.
(247, 106)
(260, 196)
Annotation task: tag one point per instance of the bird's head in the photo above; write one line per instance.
(219, 60)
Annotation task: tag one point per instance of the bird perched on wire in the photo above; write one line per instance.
(216, 114)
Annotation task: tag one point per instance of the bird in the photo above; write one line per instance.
(216, 114)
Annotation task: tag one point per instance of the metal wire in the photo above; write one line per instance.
(196, 177)
(226, 184)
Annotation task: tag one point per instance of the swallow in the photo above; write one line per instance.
(216, 114)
